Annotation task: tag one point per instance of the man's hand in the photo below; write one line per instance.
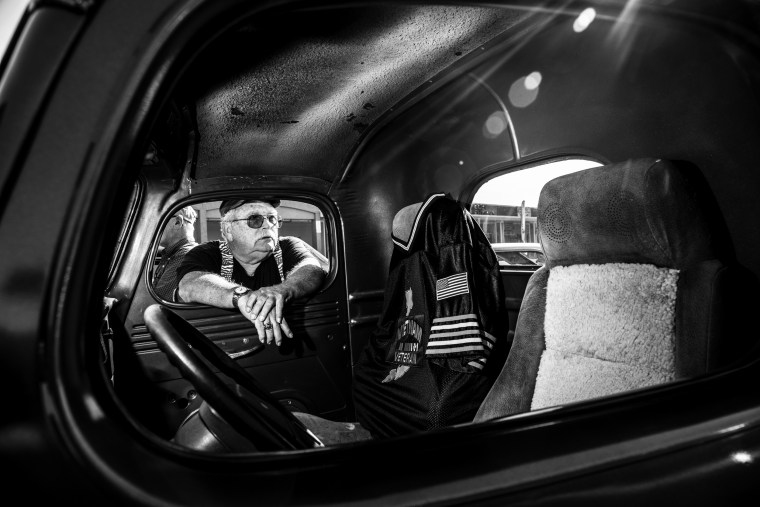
(267, 300)
(260, 303)
(269, 330)
(270, 325)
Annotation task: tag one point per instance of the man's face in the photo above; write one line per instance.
(252, 245)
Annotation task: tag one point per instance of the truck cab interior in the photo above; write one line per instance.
(614, 140)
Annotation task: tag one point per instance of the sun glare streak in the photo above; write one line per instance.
(498, 63)
(394, 70)
(622, 35)
(733, 428)
(584, 19)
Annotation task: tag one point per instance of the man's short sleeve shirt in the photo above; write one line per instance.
(208, 258)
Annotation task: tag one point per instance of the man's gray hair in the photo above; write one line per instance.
(187, 214)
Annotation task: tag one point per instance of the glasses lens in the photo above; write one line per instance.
(256, 221)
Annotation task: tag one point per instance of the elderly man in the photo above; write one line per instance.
(177, 240)
(251, 268)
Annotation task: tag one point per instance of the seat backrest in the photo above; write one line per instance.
(442, 336)
(632, 293)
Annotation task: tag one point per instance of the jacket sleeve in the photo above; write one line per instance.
(470, 316)
(491, 305)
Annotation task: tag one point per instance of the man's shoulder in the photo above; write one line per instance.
(187, 247)
(299, 251)
(184, 248)
(295, 246)
(209, 246)
(290, 241)
(204, 257)
(203, 252)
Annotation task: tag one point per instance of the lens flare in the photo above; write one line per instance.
(495, 124)
(742, 457)
(524, 90)
(532, 80)
(584, 19)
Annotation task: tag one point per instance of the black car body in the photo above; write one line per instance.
(115, 114)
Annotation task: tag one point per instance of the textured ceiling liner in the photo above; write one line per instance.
(283, 102)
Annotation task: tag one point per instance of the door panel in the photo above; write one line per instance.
(310, 372)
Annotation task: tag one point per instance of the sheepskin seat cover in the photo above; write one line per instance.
(609, 328)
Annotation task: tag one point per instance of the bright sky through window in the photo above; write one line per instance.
(511, 189)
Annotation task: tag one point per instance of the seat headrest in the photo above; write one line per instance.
(406, 222)
(403, 222)
(638, 211)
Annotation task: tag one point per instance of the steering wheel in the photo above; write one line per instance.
(263, 420)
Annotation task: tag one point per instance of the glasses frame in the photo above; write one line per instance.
(274, 220)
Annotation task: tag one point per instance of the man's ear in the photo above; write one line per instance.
(226, 232)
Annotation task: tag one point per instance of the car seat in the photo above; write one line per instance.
(637, 289)
(442, 335)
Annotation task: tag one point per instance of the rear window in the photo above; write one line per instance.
(506, 208)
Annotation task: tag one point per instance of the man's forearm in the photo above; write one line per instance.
(303, 281)
(212, 289)
(206, 288)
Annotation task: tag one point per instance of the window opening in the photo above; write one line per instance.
(506, 206)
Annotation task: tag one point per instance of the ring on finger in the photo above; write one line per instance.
(268, 325)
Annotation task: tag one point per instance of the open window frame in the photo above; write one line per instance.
(322, 227)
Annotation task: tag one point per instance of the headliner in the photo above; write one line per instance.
(268, 103)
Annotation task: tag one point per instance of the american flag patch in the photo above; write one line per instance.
(459, 335)
(454, 285)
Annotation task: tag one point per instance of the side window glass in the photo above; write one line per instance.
(506, 208)
(200, 223)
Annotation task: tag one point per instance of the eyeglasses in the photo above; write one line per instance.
(256, 221)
